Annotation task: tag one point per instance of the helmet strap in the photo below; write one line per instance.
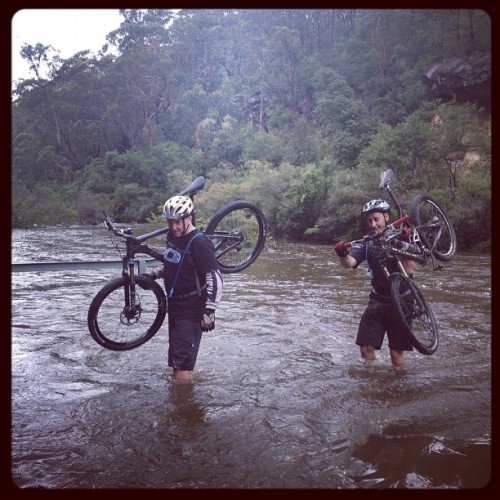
(184, 228)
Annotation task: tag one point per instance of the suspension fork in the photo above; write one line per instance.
(401, 268)
(402, 271)
(399, 265)
(128, 272)
(416, 297)
(398, 206)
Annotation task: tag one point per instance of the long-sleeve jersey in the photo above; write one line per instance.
(193, 281)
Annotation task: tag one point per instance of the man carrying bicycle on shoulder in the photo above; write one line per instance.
(379, 316)
(193, 284)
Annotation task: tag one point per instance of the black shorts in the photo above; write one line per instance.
(378, 319)
(184, 341)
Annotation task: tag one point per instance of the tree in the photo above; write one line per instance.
(458, 138)
(273, 104)
(343, 118)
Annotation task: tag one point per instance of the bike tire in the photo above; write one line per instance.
(443, 245)
(238, 231)
(107, 318)
(415, 313)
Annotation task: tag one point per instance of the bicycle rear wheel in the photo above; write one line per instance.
(434, 227)
(415, 313)
(118, 327)
(238, 231)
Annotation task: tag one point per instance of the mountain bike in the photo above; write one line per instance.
(129, 310)
(431, 236)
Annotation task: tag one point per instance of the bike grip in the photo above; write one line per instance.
(398, 222)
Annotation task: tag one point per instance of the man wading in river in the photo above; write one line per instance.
(193, 283)
(379, 317)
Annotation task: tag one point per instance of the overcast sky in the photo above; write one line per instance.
(67, 30)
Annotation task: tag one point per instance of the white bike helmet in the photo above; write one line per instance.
(177, 208)
(376, 206)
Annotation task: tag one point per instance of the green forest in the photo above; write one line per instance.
(296, 110)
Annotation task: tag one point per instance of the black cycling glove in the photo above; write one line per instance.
(208, 320)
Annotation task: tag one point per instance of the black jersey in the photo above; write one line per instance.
(185, 275)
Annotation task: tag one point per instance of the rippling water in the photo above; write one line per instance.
(279, 399)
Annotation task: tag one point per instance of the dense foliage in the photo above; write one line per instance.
(297, 110)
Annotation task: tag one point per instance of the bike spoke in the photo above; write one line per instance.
(120, 324)
(238, 234)
(434, 227)
(127, 324)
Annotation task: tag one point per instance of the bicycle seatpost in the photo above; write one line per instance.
(192, 189)
(396, 204)
(191, 195)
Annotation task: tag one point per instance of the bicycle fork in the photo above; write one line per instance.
(131, 311)
(410, 294)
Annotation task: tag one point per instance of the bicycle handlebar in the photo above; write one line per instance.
(389, 228)
(123, 233)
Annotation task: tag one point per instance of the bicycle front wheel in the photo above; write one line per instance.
(415, 313)
(238, 231)
(434, 227)
(121, 327)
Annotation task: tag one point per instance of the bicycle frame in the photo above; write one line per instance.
(390, 246)
(133, 245)
(129, 310)
(391, 233)
(392, 266)
(228, 241)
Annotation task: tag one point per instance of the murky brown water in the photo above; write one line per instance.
(279, 398)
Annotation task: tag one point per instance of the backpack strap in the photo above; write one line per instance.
(184, 253)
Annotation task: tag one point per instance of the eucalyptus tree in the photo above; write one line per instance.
(445, 151)
(203, 40)
(61, 113)
(143, 76)
(388, 51)
(342, 116)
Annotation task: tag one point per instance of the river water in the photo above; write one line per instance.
(279, 399)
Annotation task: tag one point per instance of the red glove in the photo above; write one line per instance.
(341, 249)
